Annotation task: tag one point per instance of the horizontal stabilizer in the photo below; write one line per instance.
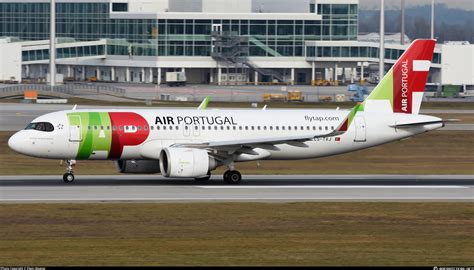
(422, 123)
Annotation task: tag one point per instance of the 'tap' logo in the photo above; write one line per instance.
(131, 129)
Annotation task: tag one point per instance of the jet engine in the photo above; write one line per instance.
(186, 162)
(138, 166)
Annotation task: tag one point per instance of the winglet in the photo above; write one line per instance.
(204, 103)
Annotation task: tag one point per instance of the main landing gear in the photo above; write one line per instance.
(68, 177)
(232, 177)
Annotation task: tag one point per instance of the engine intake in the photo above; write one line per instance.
(138, 166)
(186, 162)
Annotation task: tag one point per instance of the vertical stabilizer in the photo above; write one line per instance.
(401, 89)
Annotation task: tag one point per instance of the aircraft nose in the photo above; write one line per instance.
(15, 143)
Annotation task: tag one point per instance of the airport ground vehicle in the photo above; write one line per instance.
(360, 92)
(175, 78)
(292, 96)
(192, 143)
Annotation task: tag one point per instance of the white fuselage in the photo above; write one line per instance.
(166, 127)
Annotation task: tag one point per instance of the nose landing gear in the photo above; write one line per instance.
(68, 177)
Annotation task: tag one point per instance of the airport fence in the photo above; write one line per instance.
(75, 89)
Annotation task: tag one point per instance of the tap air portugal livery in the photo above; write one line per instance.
(192, 143)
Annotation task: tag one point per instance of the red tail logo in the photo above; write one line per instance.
(410, 73)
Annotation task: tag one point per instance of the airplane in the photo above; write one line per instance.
(190, 143)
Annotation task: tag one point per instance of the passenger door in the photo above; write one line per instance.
(75, 128)
(360, 129)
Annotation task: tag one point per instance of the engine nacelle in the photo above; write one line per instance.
(186, 162)
(138, 166)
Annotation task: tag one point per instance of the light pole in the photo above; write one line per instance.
(432, 19)
(402, 22)
(382, 34)
(52, 45)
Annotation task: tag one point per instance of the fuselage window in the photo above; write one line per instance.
(282, 127)
(228, 128)
(314, 127)
(114, 128)
(215, 127)
(209, 128)
(171, 127)
(152, 127)
(234, 127)
(145, 127)
(177, 127)
(307, 127)
(164, 127)
(320, 128)
(186, 127)
(120, 128)
(326, 127)
(196, 127)
(264, 127)
(240, 127)
(277, 128)
(332, 127)
(253, 127)
(157, 127)
(301, 128)
(246, 128)
(139, 127)
(126, 127)
(289, 128)
(95, 127)
(222, 127)
(271, 127)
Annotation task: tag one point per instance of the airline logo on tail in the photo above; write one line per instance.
(410, 74)
(402, 87)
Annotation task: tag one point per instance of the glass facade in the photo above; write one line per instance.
(35, 55)
(175, 37)
(357, 51)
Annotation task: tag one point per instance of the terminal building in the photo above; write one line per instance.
(223, 42)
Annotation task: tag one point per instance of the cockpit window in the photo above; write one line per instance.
(41, 126)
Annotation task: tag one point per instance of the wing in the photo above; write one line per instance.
(255, 142)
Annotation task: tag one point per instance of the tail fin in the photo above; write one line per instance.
(401, 89)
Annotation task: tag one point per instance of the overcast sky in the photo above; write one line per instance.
(395, 4)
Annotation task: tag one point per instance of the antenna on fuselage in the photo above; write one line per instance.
(74, 108)
(264, 107)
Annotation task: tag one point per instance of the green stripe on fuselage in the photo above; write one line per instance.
(96, 133)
